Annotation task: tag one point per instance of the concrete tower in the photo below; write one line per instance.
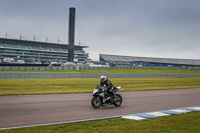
(71, 34)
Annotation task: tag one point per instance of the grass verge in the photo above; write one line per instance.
(61, 86)
(181, 123)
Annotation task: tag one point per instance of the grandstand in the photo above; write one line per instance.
(148, 61)
(33, 52)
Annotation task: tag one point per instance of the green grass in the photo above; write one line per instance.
(60, 86)
(120, 71)
(181, 123)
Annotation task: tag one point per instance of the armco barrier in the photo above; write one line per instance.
(74, 67)
(25, 75)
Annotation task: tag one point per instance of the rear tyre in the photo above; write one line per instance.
(96, 102)
(117, 100)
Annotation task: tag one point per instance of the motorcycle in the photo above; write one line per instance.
(102, 98)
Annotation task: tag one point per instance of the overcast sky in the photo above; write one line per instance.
(146, 28)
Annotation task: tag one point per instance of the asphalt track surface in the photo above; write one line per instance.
(40, 109)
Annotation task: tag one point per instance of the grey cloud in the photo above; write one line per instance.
(159, 28)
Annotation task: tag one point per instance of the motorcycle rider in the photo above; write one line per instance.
(108, 85)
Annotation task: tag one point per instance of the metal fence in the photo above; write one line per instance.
(78, 67)
(25, 75)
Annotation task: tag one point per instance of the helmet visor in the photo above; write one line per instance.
(102, 79)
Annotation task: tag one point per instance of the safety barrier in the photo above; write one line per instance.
(78, 67)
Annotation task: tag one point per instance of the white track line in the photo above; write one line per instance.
(65, 122)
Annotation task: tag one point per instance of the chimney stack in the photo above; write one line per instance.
(71, 34)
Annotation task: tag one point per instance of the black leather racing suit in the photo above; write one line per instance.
(109, 87)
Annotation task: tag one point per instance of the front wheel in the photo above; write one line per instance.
(117, 100)
(96, 102)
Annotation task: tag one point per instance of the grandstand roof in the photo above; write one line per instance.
(119, 58)
(36, 42)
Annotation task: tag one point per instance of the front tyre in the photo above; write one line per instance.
(96, 102)
(117, 100)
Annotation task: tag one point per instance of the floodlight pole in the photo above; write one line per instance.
(20, 36)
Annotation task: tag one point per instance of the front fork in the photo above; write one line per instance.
(99, 99)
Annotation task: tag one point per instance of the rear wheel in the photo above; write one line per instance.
(117, 100)
(96, 102)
